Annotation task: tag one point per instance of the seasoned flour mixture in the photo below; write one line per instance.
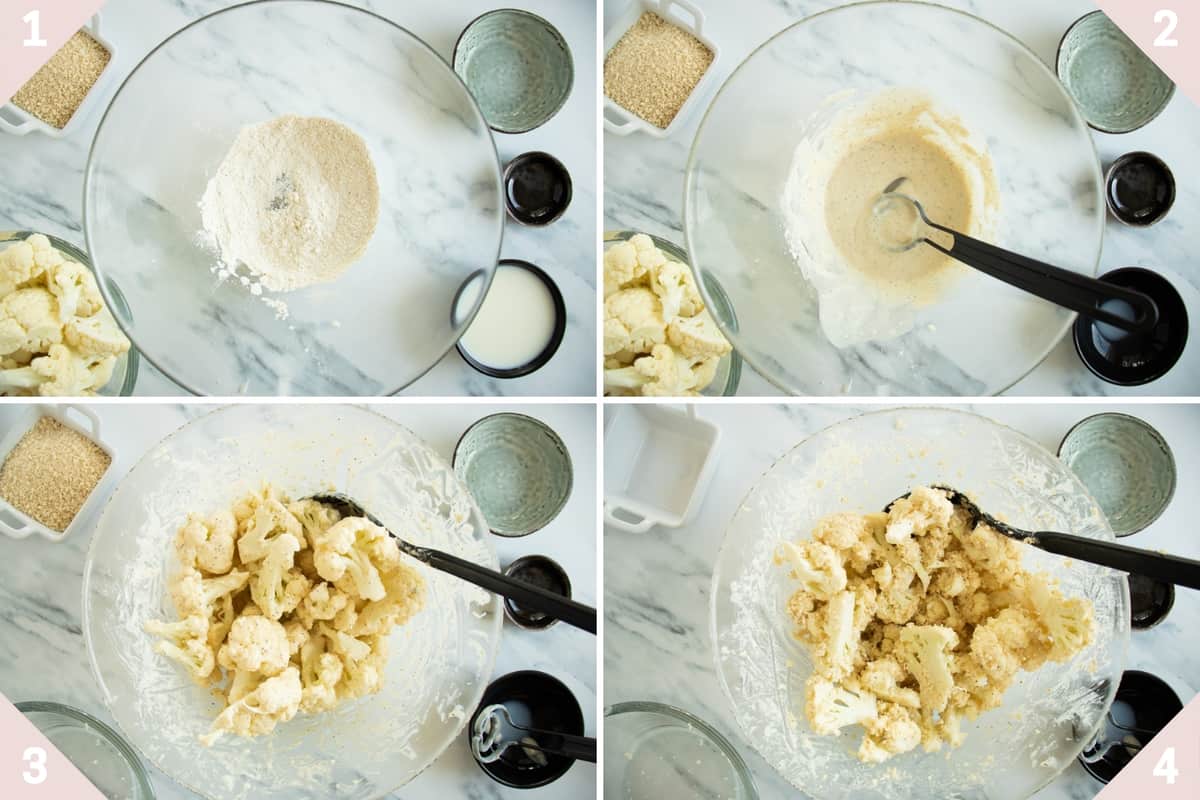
(295, 202)
(840, 167)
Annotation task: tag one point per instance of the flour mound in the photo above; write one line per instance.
(295, 202)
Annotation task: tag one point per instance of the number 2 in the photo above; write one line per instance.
(1165, 768)
(35, 759)
(35, 29)
(1164, 39)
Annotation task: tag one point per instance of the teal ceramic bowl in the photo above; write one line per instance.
(1126, 465)
(517, 469)
(1117, 87)
(517, 66)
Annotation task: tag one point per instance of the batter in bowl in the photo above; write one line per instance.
(842, 164)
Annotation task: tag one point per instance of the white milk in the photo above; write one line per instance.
(515, 323)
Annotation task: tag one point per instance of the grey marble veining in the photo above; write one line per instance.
(42, 652)
(657, 584)
(643, 177)
(43, 181)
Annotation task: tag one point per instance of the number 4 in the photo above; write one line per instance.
(1165, 768)
(1164, 39)
(35, 34)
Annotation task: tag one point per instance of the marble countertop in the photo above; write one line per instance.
(42, 653)
(657, 643)
(43, 177)
(643, 176)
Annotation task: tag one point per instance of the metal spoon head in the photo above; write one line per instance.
(897, 220)
(488, 742)
(344, 505)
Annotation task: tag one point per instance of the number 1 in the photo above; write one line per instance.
(35, 758)
(35, 38)
(1164, 39)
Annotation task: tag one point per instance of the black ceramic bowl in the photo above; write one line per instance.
(537, 188)
(536, 700)
(1143, 706)
(543, 572)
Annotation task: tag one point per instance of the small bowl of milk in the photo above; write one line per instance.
(519, 325)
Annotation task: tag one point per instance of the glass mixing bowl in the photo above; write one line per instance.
(439, 662)
(729, 368)
(862, 464)
(387, 319)
(983, 335)
(125, 372)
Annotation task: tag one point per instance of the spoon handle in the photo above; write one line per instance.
(1172, 569)
(1063, 287)
(582, 748)
(526, 594)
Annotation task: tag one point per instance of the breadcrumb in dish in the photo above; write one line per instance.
(917, 618)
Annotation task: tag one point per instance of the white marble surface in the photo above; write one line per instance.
(42, 654)
(657, 640)
(43, 177)
(643, 177)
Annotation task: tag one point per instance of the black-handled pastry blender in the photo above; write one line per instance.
(1172, 569)
(525, 594)
(896, 222)
(495, 732)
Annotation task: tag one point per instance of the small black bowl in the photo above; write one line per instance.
(1143, 706)
(537, 188)
(543, 572)
(1149, 601)
(1136, 359)
(1139, 189)
(536, 700)
(556, 336)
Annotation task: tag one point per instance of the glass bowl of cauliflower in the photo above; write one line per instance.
(57, 338)
(910, 655)
(651, 301)
(250, 643)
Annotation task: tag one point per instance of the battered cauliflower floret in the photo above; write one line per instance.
(918, 618)
(299, 619)
(658, 339)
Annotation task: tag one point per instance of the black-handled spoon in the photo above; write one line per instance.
(1125, 309)
(1172, 569)
(495, 732)
(526, 594)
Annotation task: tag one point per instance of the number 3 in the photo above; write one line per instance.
(35, 34)
(35, 759)
(1165, 768)
(1164, 39)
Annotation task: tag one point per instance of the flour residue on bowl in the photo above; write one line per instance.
(293, 204)
(847, 154)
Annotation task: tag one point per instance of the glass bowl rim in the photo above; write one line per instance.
(489, 269)
(690, 170)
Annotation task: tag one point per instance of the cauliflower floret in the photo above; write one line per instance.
(830, 707)
(924, 650)
(97, 335)
(275, 700)
(270, 519)
(815, 565)
(892, 731)
(882, 677)
(209, 544)
(663, 373)
(192, 593)
(64, 373)
(362, 661)
(255, 644)
(633, 321)
(320, 673)
(275, 587)
(323, 602)
(344, 556)
(914, 515)
(1007, 642)
(18, 265)
(185, 641)
(1069, 623)
(405, 597)
(20, 380)
(897, 602)
(697, 337)
(29, 321)
(673, 284)
(76, 290)
(621, 268)
(314, 517)
(841, 638)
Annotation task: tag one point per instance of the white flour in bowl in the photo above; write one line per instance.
(294, 202)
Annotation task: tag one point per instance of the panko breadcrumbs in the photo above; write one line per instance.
(653, 69)
(56, 91)
(51, 472)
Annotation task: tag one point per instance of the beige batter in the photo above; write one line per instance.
(867, 291)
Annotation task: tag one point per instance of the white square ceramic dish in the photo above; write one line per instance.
(83, 420)
(15, 121)
(657, 464)
(678, 12)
